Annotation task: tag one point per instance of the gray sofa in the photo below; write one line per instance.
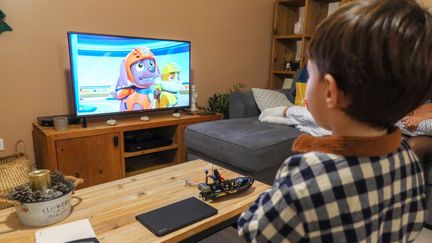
(250, 147)
(243, 143)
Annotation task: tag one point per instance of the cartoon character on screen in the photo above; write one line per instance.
(136, 86)
(170, 85)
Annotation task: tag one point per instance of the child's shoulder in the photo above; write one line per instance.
(305, 168)
(311, 159)
(307, 174)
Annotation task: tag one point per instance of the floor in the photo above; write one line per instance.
(424, 237)
(230, 235)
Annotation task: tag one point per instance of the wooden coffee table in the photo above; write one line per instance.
(112, 207)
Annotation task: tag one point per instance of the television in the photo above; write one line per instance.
(113, 74)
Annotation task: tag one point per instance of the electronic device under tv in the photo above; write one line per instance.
(144, 139)
(113, 74)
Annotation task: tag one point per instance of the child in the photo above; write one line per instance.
(370, 64)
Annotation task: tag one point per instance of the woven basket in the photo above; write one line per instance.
(14, 170)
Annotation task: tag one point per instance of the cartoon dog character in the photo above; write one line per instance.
(136, 84)
(170, 85)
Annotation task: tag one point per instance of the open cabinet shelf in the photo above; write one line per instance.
(293, 3)
(293, 25)
(148, 162)
(283, 72)
(149, 151)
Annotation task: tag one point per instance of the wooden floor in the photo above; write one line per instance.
(230, 235)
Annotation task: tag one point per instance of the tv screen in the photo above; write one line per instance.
(117, 74)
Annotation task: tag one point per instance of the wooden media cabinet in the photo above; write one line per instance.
(97, 153)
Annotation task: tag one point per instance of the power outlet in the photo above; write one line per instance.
(2, 147)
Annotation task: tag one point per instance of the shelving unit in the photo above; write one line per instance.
(284, 72)
(100, 153)
(153, 154)
(289, 45)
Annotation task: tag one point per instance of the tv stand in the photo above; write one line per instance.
(101, 153)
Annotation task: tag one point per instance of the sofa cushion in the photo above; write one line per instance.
(242, 104)
(266, 99)
(244, 142)
(300, 80)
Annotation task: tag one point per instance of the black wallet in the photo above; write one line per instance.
(175, 216)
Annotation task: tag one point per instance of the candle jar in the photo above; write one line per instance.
(60, 123)
(40, 180)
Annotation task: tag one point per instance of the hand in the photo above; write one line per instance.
(306, 104)
(411, 122)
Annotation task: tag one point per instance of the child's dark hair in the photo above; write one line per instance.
(380, 54)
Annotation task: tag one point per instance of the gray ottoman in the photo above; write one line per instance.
(245, 143)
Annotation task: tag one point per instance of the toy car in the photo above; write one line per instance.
(221, 187)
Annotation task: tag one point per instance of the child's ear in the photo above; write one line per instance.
(334, 96)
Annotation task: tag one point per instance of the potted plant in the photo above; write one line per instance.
(219, 102)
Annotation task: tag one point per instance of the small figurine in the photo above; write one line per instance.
(288, 58)
(288, 66)
(221, 187)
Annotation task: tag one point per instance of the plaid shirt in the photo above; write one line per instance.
(321, 196)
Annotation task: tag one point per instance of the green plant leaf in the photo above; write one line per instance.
(219, 102)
